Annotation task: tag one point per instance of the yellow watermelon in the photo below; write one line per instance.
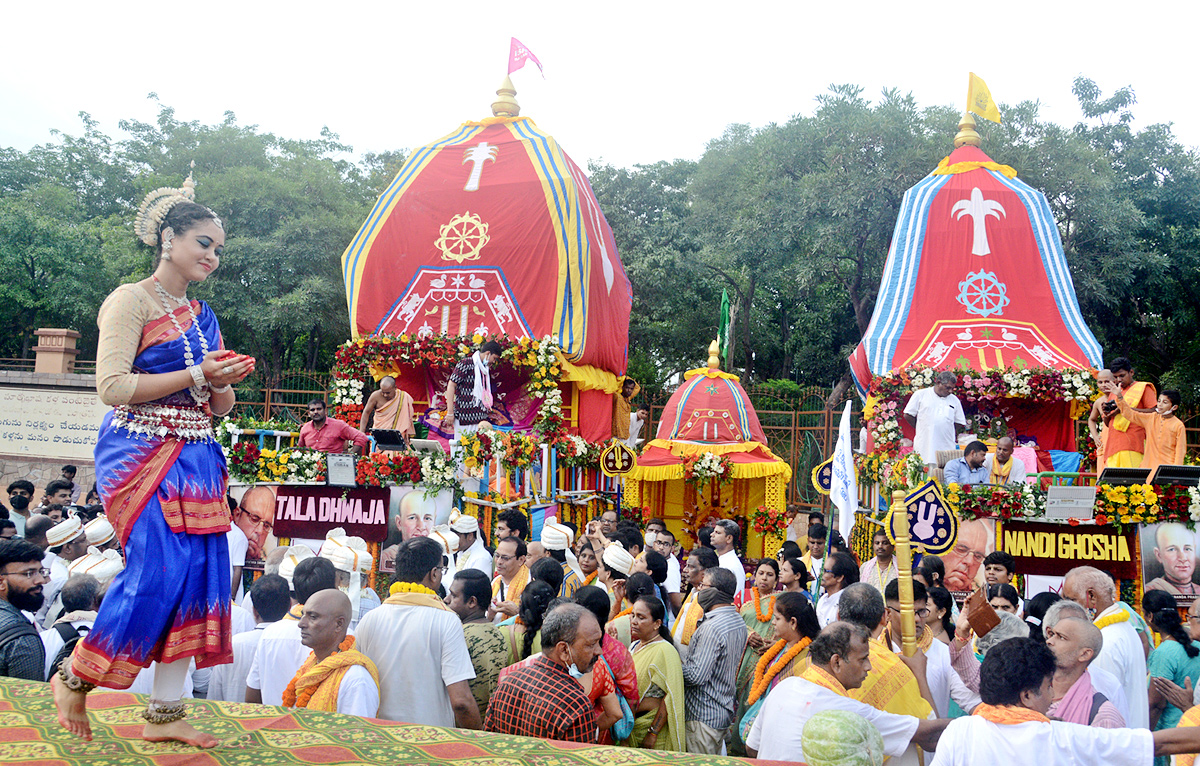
(841, 738)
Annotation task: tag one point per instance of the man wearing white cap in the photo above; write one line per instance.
(67, 542)
(615, 566)
(103, 565)
(471, 552)
(351, 560)
(557, 539)
(101, 535)
(280, 651)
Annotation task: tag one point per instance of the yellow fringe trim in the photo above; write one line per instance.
(944, 168)
(709, 374)
(741, 471)
(679, 449)
(589, 378)
(486, 121)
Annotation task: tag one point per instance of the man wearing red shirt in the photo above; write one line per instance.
(329, 434)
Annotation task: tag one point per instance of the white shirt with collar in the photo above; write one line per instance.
(729, 560)
(1122, 655)
(228, 682)
(475, 557)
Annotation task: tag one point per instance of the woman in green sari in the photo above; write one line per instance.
(658, 722)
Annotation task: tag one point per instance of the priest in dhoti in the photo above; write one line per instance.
(389, 409)
(1124, 442)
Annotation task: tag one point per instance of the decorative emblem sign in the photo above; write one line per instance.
(463, 238)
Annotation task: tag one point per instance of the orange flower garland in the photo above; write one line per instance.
(289, 694)
(591, 578)
(758, 610)
(622, 613)
(763, 674)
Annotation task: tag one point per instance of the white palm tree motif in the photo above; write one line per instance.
(478, 154)
(979, 209)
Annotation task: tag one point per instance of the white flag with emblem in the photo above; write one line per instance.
(843, 490)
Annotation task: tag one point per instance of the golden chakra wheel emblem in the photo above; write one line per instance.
(463, 238)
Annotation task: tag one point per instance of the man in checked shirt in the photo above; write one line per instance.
(710, 672)
(544, 700)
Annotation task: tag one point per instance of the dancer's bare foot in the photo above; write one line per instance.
(72, 709)
(178, 731)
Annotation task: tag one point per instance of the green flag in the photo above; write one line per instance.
(723, 327)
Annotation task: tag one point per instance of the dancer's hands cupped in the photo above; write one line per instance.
(223, 368)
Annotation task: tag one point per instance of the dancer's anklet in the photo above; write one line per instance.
(73, 682)
(160, 712)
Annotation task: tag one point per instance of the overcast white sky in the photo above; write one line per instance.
(626, 82)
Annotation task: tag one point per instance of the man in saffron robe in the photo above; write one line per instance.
(336, 677)
(392, 408)
(1011, 725)
(1124, 441)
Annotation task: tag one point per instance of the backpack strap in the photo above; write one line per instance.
(1098, 699)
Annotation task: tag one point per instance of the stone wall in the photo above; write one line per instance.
(42, 470)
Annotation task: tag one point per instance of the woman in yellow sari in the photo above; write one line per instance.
(658, 722)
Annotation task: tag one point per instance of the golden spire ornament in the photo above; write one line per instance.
(714, 356)
(967, 135)
(506, 104)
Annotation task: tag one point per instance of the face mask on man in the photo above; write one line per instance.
(18, 502)
(713, 597)
(574, 668)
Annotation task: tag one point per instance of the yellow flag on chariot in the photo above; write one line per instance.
(979, 99)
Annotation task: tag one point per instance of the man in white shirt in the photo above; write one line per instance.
(238, 546)
(880, 570)
(1106, 683)
(839, 660)
(272, 600)
(664, 543)
(1011, 727)
(280, 651)
(472, 554)
(725, 536)
(1122, 653)
(67, 542)
(80, 599)
(417, 644)
(944, 682)
(1003, 467)
(936, 416)
(636, 421)
(323, 629)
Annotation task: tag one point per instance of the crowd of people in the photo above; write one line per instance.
(613, 635)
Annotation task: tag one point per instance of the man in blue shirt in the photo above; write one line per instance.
(969, 468)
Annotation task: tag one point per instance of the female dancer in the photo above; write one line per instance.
(162, 477)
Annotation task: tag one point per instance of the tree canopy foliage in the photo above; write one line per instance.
(793, 219)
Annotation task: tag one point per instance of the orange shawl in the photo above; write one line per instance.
(316, 684)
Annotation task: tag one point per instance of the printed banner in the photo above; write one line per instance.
(62, 425)
(1055, 549)
(1169, 561)
(307, 512)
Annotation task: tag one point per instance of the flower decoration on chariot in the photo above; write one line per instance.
(463, 238)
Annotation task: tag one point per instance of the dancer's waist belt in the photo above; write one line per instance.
(158, 421)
